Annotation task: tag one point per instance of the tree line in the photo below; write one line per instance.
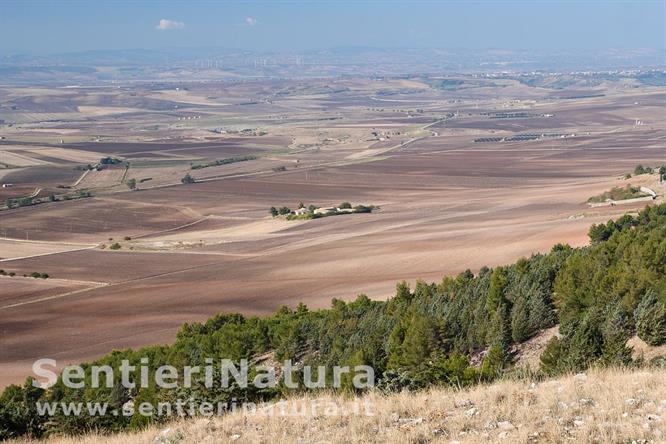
(600, 295)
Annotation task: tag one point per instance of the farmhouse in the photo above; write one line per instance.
(7, 185)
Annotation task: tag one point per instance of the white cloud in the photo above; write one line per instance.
(166, 24)
(251, 21)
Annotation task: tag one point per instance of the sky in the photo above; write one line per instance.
(43, 27)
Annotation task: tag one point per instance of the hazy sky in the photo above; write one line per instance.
(64, 26)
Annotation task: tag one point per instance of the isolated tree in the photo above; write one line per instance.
(273, 211)
(345, 205)
(187, 179)
(131, 184)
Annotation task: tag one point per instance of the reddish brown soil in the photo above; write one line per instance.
(447, 204)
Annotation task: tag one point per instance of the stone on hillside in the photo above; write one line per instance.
(505, 425)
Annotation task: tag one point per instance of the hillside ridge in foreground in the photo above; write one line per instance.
(610, 405)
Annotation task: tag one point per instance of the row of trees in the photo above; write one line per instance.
(600, 295)
(12, 203)
(226, 161)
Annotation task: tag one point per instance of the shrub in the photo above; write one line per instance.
(187, 179)
(551, 357)
(640, 169)
(363, 209)
(109, 161)
(618, 193)
(115, 246)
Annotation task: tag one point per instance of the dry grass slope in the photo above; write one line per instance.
(605, 406)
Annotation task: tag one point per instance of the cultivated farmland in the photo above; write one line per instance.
(183, 252)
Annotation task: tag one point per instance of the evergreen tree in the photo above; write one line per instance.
(585, 346)
(551, 357)
(18, 411)
(496, 293)
(500, 328)
(419, 342)
(494, 362)
(650, 317)
(520, 321)
(540, 308)
(615, 334)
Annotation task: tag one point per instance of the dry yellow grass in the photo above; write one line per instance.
(606, 406)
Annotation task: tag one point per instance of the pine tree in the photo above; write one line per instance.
(520, 321)
(419, 342)
(494, 362)
(615, 334)
(540, 307)
(585, 345)
(551, 357)
(395, 340)
(500, 328)
(498, 283)
(650, 317)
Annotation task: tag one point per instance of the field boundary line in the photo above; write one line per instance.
(27, 241)
(45, 254)
(141, 236)
(83, 176)
(50, 298)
